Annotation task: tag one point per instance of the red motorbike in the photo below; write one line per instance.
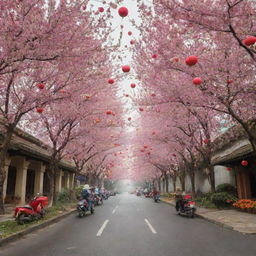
(34, 211)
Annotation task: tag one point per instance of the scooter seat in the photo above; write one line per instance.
(28, 207)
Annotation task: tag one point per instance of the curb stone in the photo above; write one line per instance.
(22, 233)
(213, 221)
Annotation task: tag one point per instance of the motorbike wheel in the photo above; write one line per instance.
(21, 218)
(192, 214)
(80, 214)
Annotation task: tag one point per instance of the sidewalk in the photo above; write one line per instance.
(232, 219)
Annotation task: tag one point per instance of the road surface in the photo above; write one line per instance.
(132, 226)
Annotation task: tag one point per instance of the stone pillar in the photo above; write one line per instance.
(72, 177)
(59, 181)
(67, 180)
(21, 179)
(7, 164)
(39, 179)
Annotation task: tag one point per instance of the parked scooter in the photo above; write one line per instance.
(34, 211)
(187, 207)
(83, 207)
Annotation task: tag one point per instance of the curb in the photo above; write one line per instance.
(22, 233)
(209, 220)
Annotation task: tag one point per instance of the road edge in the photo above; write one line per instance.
(213, 221)
(22, 233)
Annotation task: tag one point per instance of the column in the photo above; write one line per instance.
(59, 181)
(39, 179)
(72, 177)
(7, 164)
(67, 180)
(21, 179)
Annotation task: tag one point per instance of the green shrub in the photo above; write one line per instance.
(78, 191)
(64, 196)
(225, 187)
(223, 199)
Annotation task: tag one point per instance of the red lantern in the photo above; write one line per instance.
(197, 81)
(133, 85)
(142, 150)
(97, 120)
(206, 141)
(244, 163)
(145, 146)
(154, 56)
(62, 91)
(108, 112)
(191, 60)
(176, 59)
(111, 81)
(250, 40)
(123, 11)
(153, 94)
(129, 33)
(229, 169)
(230, 81)
(40, 86)
(39, 110)
(153, 133)
(132, 42)
(126, 68)
(129, 118)
(126, 95)
(141, 109)
(101, 9)
(174, 155)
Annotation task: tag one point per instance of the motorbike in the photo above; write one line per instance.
(34, 211)
(188, 208)
(156, 198)
(83, 207)
(98, 200)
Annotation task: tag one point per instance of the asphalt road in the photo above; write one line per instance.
(131, 226)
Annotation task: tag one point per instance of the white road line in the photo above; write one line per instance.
(151, 227)
(115, 209)
(102, 228)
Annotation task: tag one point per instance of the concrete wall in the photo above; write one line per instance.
(201, 180)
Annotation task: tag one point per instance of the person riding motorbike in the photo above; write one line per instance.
(87, 195)
(179, 199)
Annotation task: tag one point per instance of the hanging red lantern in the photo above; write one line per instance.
(141, 109)
(129, 118)
(126, 95)
(206, 141)
(174, 155)
(145, 146)
(41, 86)
(142, 150)
(62, 91)
(123, 11)
(153, 133)
(154, 56)
(132, 42)
(229, 169)
(39, 110)
(176, 59)
(101, 9)
(133, 85)
(244, 163)
(191, 60)
(229, 81)
(129, 33)
(250, 40)
(197, 81)
(97, 120)
(111, 81)
(153, 94)
(126, 68)
(108, 112)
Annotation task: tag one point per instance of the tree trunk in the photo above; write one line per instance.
(192, 180)
(159, 184)
(182, 182)
(166, 184)
(211, 178)
(174, 179)
(3, 155)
